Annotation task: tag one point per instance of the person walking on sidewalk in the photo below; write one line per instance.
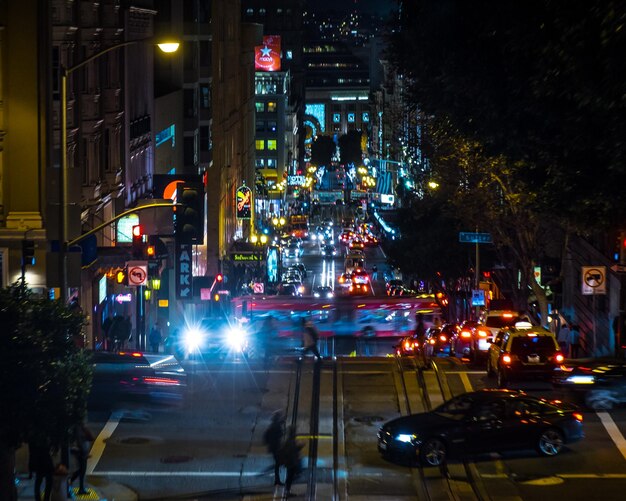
(563, 337)
(309, 338)
(82, 445)
(40, 464)
(155, 338)
(290, 457)
(574, 341)
(273, 439)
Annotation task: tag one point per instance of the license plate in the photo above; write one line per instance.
(533, 359)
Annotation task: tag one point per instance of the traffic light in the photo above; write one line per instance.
(219, 278)
(138, 243)
(620, 248)
(151, 251)
(121, 277)
(190, 217)
(28, 252)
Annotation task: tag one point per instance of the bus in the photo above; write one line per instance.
(299, 226)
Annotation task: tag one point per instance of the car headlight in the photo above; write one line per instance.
(405, 437)
(581, 379)
(193, 339)
(317, 294)
(236, 338)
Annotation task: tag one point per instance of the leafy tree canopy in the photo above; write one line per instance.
(322, 150)
(45, 377)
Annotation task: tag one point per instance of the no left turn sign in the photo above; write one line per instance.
(137, 273)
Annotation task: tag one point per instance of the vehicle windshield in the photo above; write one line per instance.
(457, 408)
(535, 344)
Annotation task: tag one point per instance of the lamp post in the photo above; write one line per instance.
(165, 46)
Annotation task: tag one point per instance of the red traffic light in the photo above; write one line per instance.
(219, 277)
(137, 231)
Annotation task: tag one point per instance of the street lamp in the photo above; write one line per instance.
(167, 46)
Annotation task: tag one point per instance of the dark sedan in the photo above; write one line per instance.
(136, 376)
(601, 384)
(482, 422)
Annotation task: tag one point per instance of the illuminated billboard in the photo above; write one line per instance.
(267, 56)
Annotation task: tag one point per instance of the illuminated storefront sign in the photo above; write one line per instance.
(267, 56)
(244, 202)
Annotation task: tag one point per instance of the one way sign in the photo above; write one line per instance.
(184, 276)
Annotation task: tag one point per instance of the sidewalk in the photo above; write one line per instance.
(98, 489)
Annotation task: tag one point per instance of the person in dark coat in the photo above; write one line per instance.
(82, 445)
(40, 464)
(290, 457)
(273, 438)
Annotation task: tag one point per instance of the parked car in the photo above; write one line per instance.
(136, 376)
(523, 352)
(600, 384)
(481, 422)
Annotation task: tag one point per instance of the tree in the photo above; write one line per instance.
(350, 151)
(322, 151)
(45, 376)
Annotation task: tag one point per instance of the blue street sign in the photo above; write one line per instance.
(475, 238)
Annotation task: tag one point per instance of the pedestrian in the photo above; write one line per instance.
(273, 439)
(563, 337)
(574, 341)
(374, 272)
(290, 457)
(40, 464)
(155, 338)
(82, 445)
(309, 338)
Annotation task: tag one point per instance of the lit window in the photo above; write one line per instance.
(289, 54)
(271, 126)
(260, 162)
(249, 12)
(336, 118)
(260, 144)
(271, 106)
(271, 163)
(365, 117)
(260, 107)
(351, 117)
(271, 144)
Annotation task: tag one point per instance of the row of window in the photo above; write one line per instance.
(269, 163)
(270, 107)
(265, 144)
(263, 11)
(263, 126)
(351, 117)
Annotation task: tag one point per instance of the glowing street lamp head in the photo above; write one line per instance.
(168, 47)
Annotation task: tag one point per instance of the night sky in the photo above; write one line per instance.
(370, 6)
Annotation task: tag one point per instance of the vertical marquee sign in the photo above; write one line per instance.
(244, 202)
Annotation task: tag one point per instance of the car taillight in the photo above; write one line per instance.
(161, 381)
(482, 334)
(442, 338)
(431, 341)
(466, 334)
(506, 358)
(365, 287)
(559, 357)
(578, 416)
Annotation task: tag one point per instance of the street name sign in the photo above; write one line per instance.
(475, 238)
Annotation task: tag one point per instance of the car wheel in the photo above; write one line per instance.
(502, 382)
(550, 442)
(434, 452)
(600, 400)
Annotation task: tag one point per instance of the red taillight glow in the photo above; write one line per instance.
(559, 357)
(133, 354)
(466, 334)
(482, 334)
(164, 381)
(578, 416)
(507, 315)
(442, 338)
(506, 359)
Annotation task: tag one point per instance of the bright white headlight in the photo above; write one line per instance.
(403, 437)
(236, 338)
(192, 339)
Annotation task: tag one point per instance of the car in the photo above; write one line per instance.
(392, 283)
(496, 320)
(483, 421)
(462, 344)
(437, 339)
(329, 251)
(408, 345)
(289, 289)
(353, 262)
(346, 236)
(600, 384)
(292, 250)
(523, 352)
(323, 291)
(136, 376)
(359, 289)
(345, 280)
(356, 243)
(300, 268)
(360, 276)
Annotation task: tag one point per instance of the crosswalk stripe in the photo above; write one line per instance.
(613, 431)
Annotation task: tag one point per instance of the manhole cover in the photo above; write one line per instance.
(368, 419)
(134, 440)
(176, 459)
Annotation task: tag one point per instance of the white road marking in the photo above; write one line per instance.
(98, 446)
(613, 431)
